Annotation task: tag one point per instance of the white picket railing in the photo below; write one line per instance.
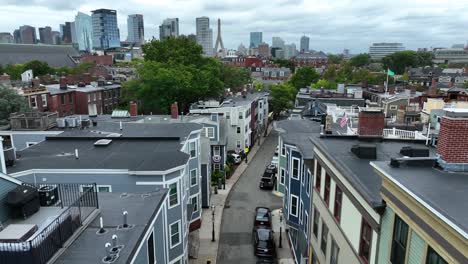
(402, 134)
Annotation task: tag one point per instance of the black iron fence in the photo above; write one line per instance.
(78, 201)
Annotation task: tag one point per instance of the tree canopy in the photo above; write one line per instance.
(285, 63)
(235, 77)
(398, 62)
(325, 84)
(303, 77)
(283, 95)
(10, 102)
(335, 59)
(360, 60)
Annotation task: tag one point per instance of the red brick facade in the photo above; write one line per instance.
(371, 123)
(453, 140)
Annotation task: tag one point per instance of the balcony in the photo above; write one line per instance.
(44, 232)
(33, 120)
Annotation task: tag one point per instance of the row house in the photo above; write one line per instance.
(311, 59)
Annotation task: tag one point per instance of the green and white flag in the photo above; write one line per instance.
(389, 72)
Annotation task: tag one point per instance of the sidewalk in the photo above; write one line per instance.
(284, 253)
(208, 249)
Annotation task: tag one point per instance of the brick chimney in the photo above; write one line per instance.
(36, 83)
(70, 79)
(452, 145)
(5, 77)
(174, 111)
(432, 91)
(133, 108)
(63, 82)
(371, 122)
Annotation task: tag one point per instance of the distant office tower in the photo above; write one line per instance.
(136, 29)
(28, 34)
(45, 35)
(17, 36)
(219, 46)
(305, 44)
(255, 39)
(277, 42)
(73, 33)
(379, 50)
(56, 39)
(205, 35)
(61, 28)
(66, 33)
(346, 53)
(289, 51)
(169, 28)
(105, 30)
(264, 50)
(6, 37)
(242, 50)
(84, 31)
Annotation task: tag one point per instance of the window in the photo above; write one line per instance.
(194, 202)
(307, 183)
(393, 107)
(173, 194)
(62, 99)
(318, 177)
(323, 244)
(433, 257)
(238, 130)
(150, 246)
(335, 251)
(246, 128)
(338, 201)
(301, 213)
(44, 100)
(33, 102)
(365, 241)
(303, 174)
(192, 149)
(316, 222)
(295, 168)
(399, 241)
(282, 175)
(283, 150)
(175, 234)
(94, 96)
(193, 177)
(217, 150)
(228, 115)
(306, 223)
(294, 202)
(241, 115)
(210, 132)
(238, 143)
(104, 188)
(326, 196)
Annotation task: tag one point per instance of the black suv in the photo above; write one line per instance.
(262, 217)
(268, 179)
(264, 242)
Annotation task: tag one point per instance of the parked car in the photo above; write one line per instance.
(262, 216)
(237, 158)
(276, 150)
(264, 242)
(268, 179)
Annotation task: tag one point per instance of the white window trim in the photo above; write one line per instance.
(196, 177)
(207, 134)
(177, 260)
(169, 196)
(281, 150)
(154, 246)
(298, 168)
(306, 224)
(301, 214)
(282, 176)
(35, 102)
(104, 186)
(290, 204)
(170, 234)
(198, 205)
(393, 107)
(44, 100)
(190, 151)
(218, 151)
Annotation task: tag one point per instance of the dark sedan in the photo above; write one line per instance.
(264, 243)
(262, 217)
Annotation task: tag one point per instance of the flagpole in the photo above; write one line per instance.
(386, 84)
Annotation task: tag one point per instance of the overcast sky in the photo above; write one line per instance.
(332, 25)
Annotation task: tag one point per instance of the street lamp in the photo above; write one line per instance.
(213, 221)
(281, 229)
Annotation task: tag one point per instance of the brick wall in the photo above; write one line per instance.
(371, 123)
(453, 140)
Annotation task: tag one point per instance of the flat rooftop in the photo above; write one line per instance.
(142, 209)
(55, 88)
(443, 193)
(132, 154)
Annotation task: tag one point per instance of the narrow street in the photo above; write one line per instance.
(236, 229)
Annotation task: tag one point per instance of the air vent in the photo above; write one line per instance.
(365, 151)
(414, 151)
(103, 142)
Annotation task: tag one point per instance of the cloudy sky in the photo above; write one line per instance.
(332, 25)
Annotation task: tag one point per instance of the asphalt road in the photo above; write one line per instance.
(236, 228)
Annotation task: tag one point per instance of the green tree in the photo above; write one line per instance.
(285, 63)
(235, 77)
(361, 76)
(14, 70)
(425, 58)
(38, 68)
(344, 74)
(303, 77)
(465, 84)
(282, 95)
(360, 60)
(335, 59)
(170, 50)
(330, 73)
(398, 62)
(10, 102)
(322, 83)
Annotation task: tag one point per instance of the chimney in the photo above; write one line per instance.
(371, 122)
(36, 83)
(5, 77)
(452, 145)
(133, 108)
(86, 78)
(70, 79)
(174, 111)
(63, 82)
(433, 89)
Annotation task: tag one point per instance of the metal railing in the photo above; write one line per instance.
(43, 245)
(402, 134)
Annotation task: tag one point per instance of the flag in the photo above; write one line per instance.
(389, 72)
(343, 121)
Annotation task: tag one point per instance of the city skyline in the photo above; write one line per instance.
(331, 27)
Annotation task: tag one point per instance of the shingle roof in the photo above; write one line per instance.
(54, 55)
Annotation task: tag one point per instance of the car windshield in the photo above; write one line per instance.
(266, 179)
(263, 234)
(262, 214)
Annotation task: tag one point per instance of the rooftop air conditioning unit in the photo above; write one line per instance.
(71, 121)
(61, 123)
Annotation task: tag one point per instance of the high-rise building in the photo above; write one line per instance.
(305, 44)
(379, 50)
(17, 36)
(73, 33)
(205, 35)
(105, 30)
(56, 39)
(66, 33)
(169, 28)
(255, 39)
(264, 50)
(84, 31)
(290, 51)
(45, 35)
(277, 42)
(6, 37)
(192, 37)
(136, 29)
(242, 50)
(28, 34)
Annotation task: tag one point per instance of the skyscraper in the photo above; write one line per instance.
(255, 39)
(136, 29)
(17, 36)
(45, 35)
(105, 30)
(84, 31)
(277, 42)
(6, 37)
(304, 44)
(264, 50)
(205, 35)
(169, 28)
(289, 51)
(56, 39)
(28, 34)
(379, 50)
(73, 33)
(66, 33)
